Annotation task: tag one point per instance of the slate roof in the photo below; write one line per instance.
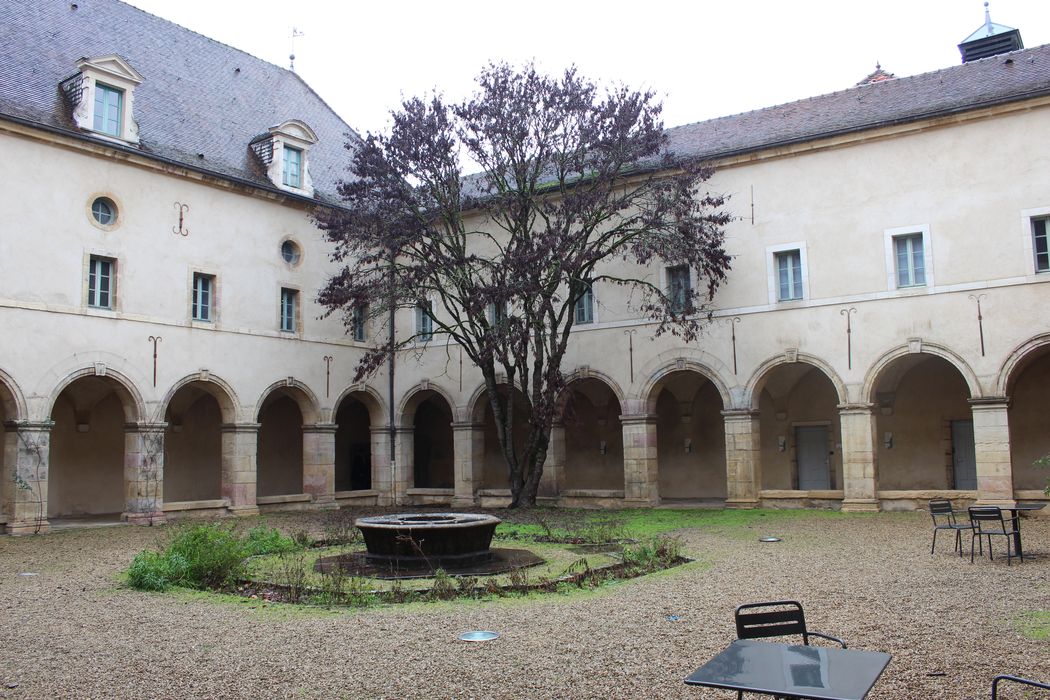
(193, 99)
(989, 81)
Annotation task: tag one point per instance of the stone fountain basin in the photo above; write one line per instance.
(438, 538)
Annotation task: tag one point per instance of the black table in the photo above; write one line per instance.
(815, 673)
(1017, 523)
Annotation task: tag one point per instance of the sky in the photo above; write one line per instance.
(704, 59)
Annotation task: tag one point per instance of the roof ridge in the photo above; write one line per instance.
(897, 80)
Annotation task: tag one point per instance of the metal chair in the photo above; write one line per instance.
(944, 519)
(1018, 680)
(988, 521)
(775, 619)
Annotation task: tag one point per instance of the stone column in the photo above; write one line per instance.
(319, 463)
(468, 440)
(405, 464)
(859, 473)
(144, 473)
(27, 449)
(240, 444)
(743, 458)
(991, 437)
(382, 479)
(553, 478)
(641, 480)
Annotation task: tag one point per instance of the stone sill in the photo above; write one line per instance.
(287, 498)
(591, 493)
(360, 493)
(785, 493)
(496, 493)
(431, 492)
(176, 506)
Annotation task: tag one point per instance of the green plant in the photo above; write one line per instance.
(651, 554)
(444, 587)
(153, 571)
(518, 579)
(1044, 463)
(293, 574)
(213, 555)
(267, 540)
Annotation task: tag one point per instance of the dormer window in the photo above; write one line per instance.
(285, 152)
(101, 96)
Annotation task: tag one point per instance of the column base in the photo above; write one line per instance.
(20, 528)
(243, 511)
(993, 501)
(860, 505)
(463, 502)
(154, 518)
(645, 502)
(741, 503)
(325, 503)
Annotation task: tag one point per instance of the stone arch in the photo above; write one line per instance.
(594, 443)
(582, 374)
(416, 395)
(372, 399)
(217, 387)
(651, 389)
(298, 392)
(11, 399)
(491, 473)
(1018, 359)
(130, 397)
(757, 381)
(875, 372)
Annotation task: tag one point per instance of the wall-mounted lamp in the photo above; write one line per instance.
(688, 445)
(83, 427)
(601, 447)
(782, 443)
(887, 441)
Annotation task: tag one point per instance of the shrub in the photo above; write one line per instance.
(213, 554)
(149, 571)
(267, 540)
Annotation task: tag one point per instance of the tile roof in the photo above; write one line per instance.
(199, 96)
(999, 79)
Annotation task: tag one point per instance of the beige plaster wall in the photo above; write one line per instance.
(86, 472)
(928, 397)
(193, 453)
(280, 456)
(701, 472)
(591, 417)
(1030, 425)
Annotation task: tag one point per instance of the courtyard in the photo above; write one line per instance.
(75, 629)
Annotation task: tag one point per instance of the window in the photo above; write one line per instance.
(679, 288)
(1039, 244)
(293, 162)
(203, 297)
(109, 106)
(584, 309)
(360, 314)
(104, 211)
(289, 310)
(424, 321)
(290, 252)
(789, 275)
(911, 267)
(497, 314)
(100, 282)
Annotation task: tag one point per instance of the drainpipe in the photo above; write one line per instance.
(390, 390)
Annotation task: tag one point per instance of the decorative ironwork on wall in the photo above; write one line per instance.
(180, 229)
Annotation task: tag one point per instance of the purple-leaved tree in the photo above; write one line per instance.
(576, 186)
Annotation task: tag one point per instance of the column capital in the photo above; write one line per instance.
(856, 408)
(320, 428)
(240, 427)
(146, 427)
(44, 426)
(380, 429)
(989, 402)
(740, 413)
(638, 418)
(467, 425)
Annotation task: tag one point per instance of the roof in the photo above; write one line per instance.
(988, 29)
(1009, 77)
(198, 96)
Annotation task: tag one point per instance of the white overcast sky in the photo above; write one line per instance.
(704, 58)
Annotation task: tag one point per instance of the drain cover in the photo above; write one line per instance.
(769, 539)
(478, 636)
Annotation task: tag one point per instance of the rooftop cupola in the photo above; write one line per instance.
(990, 39)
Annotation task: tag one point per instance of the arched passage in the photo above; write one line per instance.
(494, 473)
(593, 436)
(432, 441)
(353, 441)
(691, 455)
(799, 424)
(86, 460)
(193, 441)
(1028, 387)
(280, 452)
(9, 411)
(924, 425)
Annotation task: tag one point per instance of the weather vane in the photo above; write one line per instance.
(291, 57)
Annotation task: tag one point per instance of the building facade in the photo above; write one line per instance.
(883, 336)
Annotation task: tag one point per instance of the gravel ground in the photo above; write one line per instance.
(74, 631)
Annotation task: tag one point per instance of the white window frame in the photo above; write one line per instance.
(211, 305)
(666, 279)
(773, 273)
(890, 236)
(94, 290)
(495, 315)
(102, 89)
(113, 73)
(286, 153)
(1028, 217)
(424, 321)
(288, 323)
(587, 302)
(360, 327)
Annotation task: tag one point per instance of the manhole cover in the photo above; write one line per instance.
(478, 636)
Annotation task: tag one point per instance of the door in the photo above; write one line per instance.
(811, 443)
(964, 458)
